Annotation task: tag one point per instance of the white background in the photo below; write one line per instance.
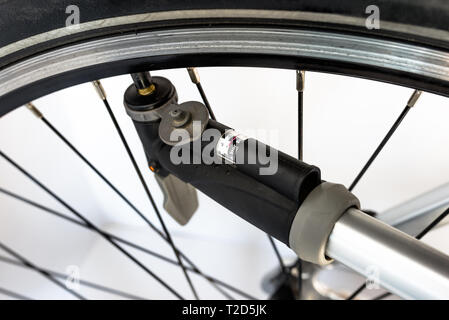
(345, 119)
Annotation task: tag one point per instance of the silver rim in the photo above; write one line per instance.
(429, 63)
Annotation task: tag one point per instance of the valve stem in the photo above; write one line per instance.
(144, 83)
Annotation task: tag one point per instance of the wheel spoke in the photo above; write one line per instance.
(416, 94)
(276, 252)
(40, 116)
(87, 222)
(195, 77)
(356, 292)
(410, 104)
(433, 224)
(39, 270)
(98, 85)
(382, 296)
(82, 282)
(13, 294)
(211, 279)
(300, 84)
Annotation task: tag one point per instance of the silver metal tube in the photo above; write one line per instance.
(400, 263)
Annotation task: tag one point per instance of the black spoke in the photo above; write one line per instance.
(82, 224)
(39, 114)
(433, 224)
(382, 296)
(390, 133)
(85, 160)
(13, 294)
(39, 270)
(212, 280)
(195, 77)
(276, 252)
(300, 85)
(147, 191)
(426, 230)
(356, 292)
(300, 81)
(82, 282)
(300, 124)
(412, 101)
(86, 221)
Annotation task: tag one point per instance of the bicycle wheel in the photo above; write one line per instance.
(409, 49)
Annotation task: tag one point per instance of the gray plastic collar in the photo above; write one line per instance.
(316, 218)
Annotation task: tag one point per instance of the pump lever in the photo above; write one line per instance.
(180, 198)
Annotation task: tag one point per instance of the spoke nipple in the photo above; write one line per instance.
(194, 75)
(100, 90)
(300, 80)
(34, 110)
(415, 96)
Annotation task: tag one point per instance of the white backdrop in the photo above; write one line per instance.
(345, 119)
